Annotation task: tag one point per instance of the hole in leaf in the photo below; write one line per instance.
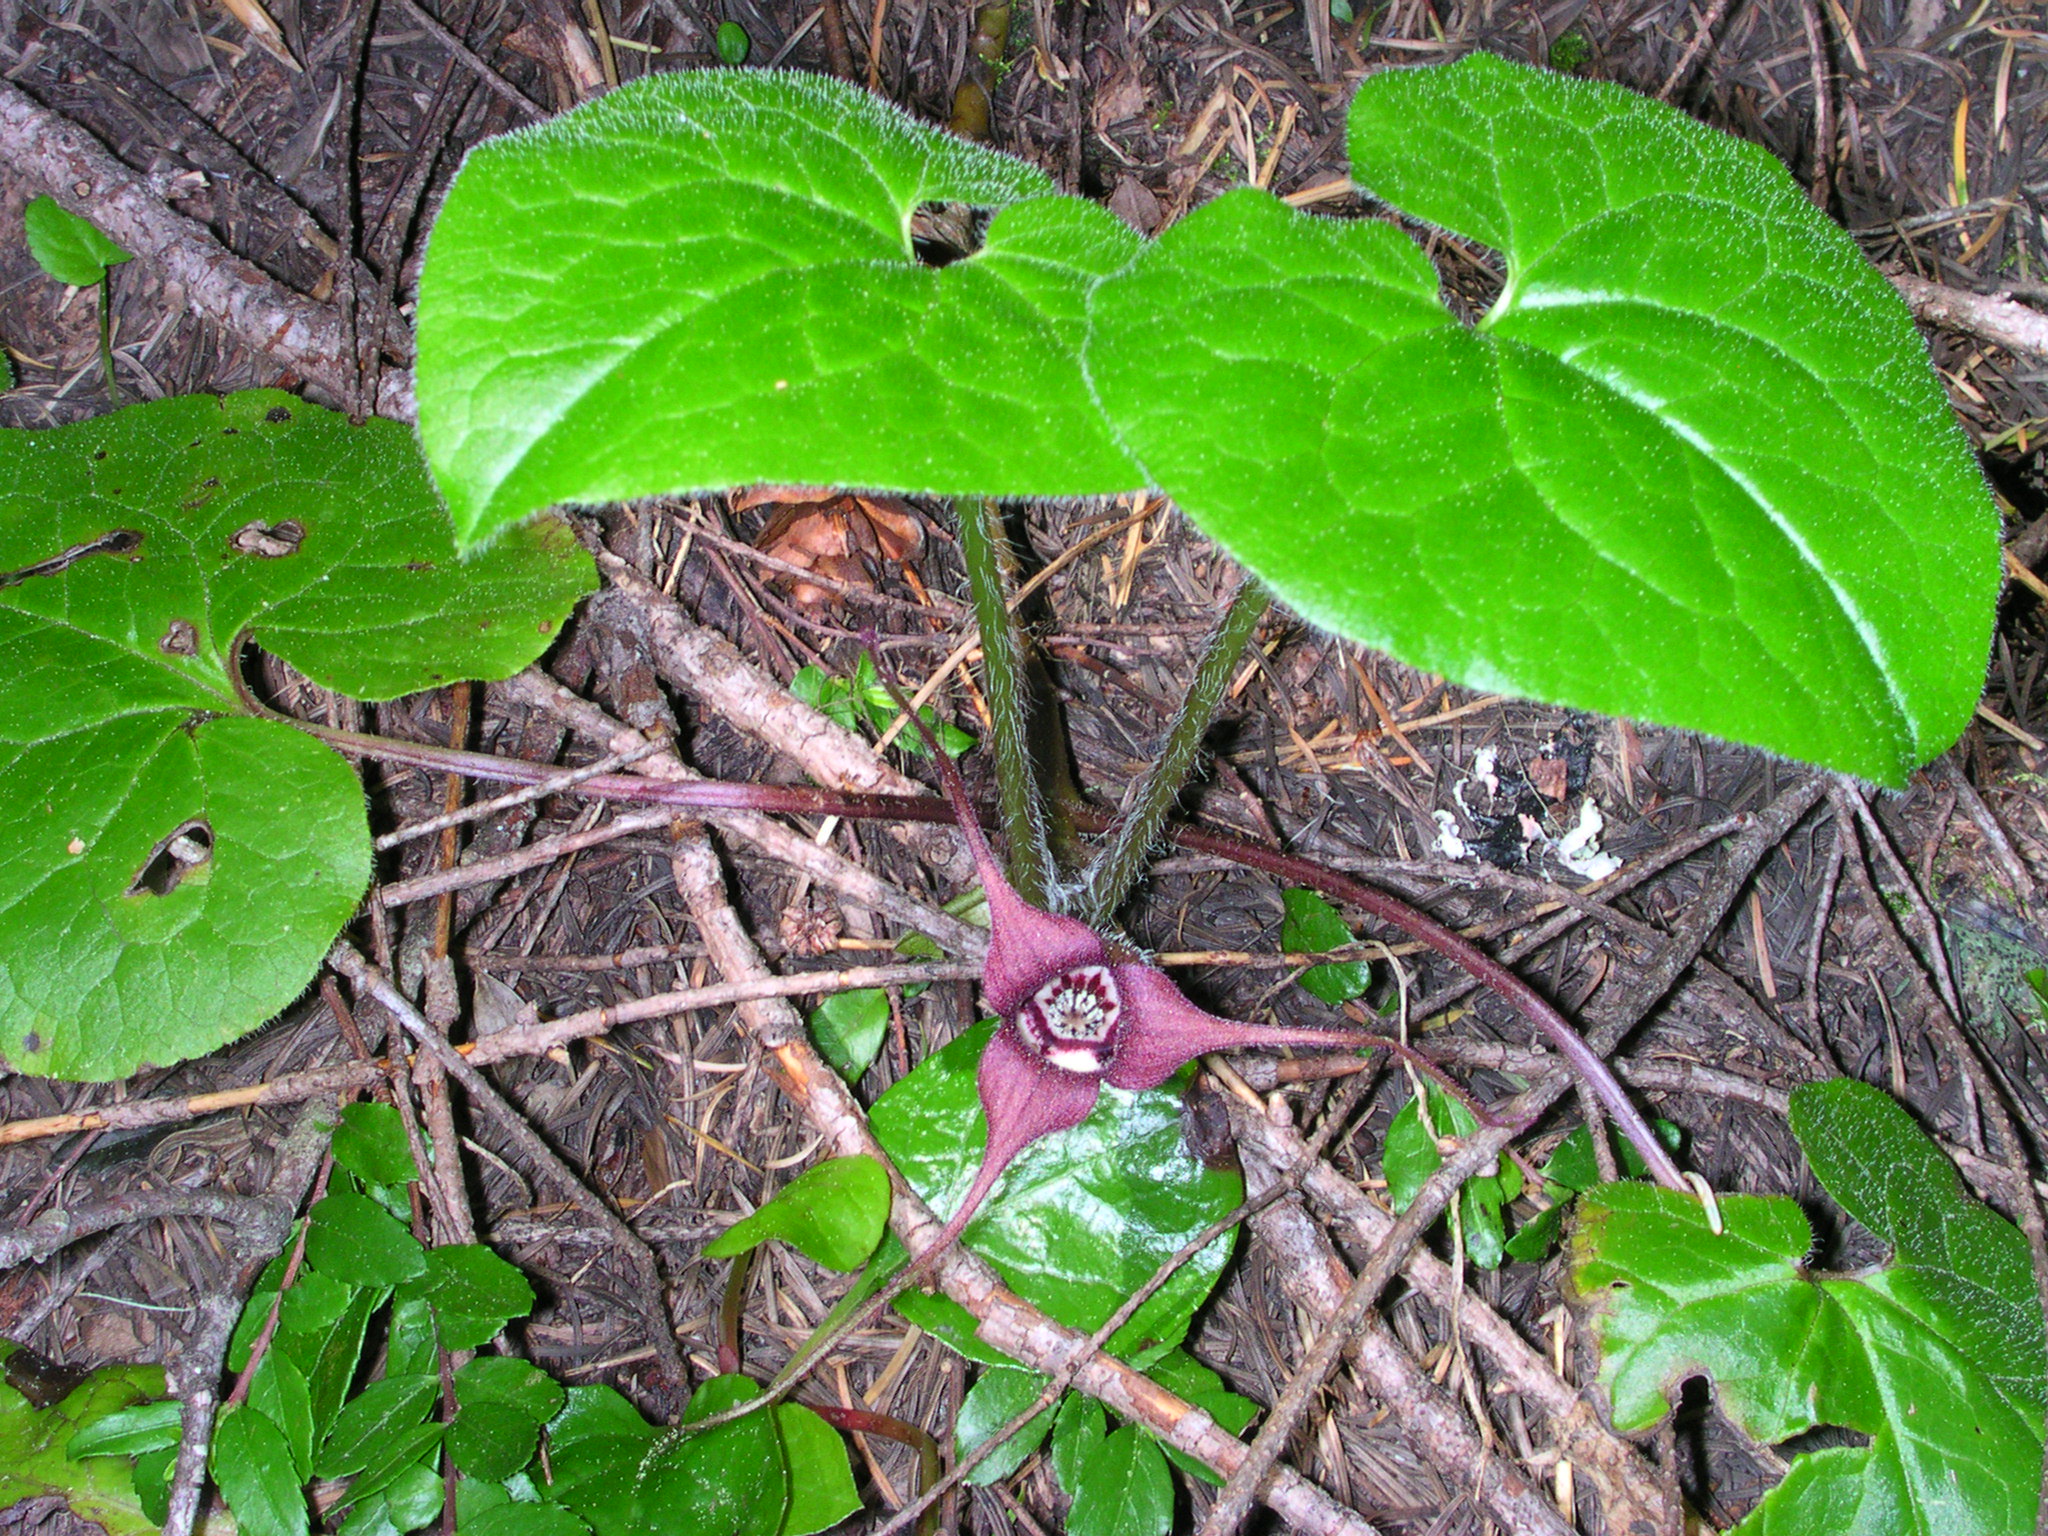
(181, 639)
(276, 414)
(268, 541)
(943, 233)
(185, 850)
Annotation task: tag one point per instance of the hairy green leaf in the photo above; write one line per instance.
(834, 1213)
(1081, 1219)
(171, 870)
(1938, 1356)
(763, 309)
(1692, 466)
(1695, 438)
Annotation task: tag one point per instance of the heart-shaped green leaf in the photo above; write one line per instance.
(70, 249)
(1938, 1356)
(1081, 1219)
(171, 871)
(704, 280)
(1691, 467)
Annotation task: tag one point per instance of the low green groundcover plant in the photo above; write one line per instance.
(172, 865)
(1936, 1356)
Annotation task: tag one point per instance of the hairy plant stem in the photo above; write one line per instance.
(982, 546)
(106, 308)
(1389, 908)
(1117, 868)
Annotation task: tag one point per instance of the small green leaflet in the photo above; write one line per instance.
(1124, 1489)
(473, 1292)
(998, 1396)
(863, 700)
(171, 869)
(1080, 1220)
(69, 248)
(370, 1143)
(851, 1026)
(834, 1213)
(1312, 925)
(1937, 1356)
(1697, 425)
(1411, 1156)
(733, 43)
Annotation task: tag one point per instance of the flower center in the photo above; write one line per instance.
(1072, 1020)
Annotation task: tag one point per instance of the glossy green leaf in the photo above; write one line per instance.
(376, 1415)
(821, 1490)
(394, 1459)
(1411, 1156)
(171, 870)
(35, 1461)
(253, 1466)
(414, 1499)
(1081, 1219)
(370, 1143)
(128, 1432)
(1181, 1373)
(492, 1440)
(152, 1472)
(328, 1357)
(623, 1477)
(1696, 424)
(355, 1239)
(69, 248)
(998, 1396)
(507, 1379)
(850, 1027)
(474, 1293)
(764, 315)
(509, 1519)
(1124, 1489)
(834, 1214)
(1938, 1356)
(410, 1338)
(314, 1301)
(279, 1392)
(1079, 1427)
(1313, 925)
(729, 1481)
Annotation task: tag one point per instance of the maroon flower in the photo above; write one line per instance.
(1075, 1013)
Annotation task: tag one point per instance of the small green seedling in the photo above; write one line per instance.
(72, 250)
(733, 43)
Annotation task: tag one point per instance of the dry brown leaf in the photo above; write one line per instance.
(263, 32)
(841, 536)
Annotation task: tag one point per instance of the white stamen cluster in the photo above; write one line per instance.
(1072, 1020)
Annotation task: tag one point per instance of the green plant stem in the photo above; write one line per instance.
(107, 335)
(982, 548)
(1117, 868)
